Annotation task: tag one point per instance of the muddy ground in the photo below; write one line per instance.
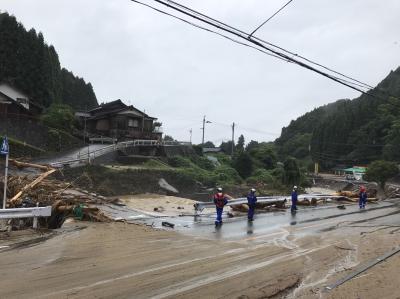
(117, 260)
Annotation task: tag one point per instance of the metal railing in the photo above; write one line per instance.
(264, 199)
(26, 213)
(88, 156)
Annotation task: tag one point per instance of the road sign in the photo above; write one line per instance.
(4, 146)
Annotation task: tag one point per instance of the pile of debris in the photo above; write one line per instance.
(353, 196)
(265, 206)
(37, 189)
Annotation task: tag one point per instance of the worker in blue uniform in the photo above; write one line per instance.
(363, 197)
(220, 200)
(294, 199)
(251, 202)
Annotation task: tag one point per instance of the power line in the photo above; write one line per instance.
(355, 81)
(227, 28)
(208, 30)
(273, 45)
(269, 43)
(251, 34)
(256, 130)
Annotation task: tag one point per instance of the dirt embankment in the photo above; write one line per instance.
(116, 181)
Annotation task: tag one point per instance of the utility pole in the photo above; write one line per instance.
(203, 128)
(84, 128)
(84, 135)
(204, 124)
(191, 132)
(144, 112)
(5, 151)
(233, 139)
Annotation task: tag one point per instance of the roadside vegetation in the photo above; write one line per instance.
(257, 165)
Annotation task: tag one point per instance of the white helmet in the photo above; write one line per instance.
(253, 190)
(219, 189)
(294, 187)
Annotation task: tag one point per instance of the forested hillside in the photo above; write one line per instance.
(349, 131)
(31, 65)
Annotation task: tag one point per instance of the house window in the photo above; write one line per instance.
(133, 123)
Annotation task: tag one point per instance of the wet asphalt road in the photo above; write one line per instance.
(307, 220)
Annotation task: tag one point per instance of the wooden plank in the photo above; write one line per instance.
(14, 200)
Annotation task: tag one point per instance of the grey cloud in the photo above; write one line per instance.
(179, 73)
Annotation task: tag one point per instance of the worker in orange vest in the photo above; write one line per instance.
(363, 197)
(220, 200)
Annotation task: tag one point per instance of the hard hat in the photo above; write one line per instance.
(294, 187)
(362, 188)
(219, 189)
(253, 190)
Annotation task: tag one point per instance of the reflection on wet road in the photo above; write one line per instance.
(269, 225)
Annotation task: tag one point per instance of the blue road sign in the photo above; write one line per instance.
(4, 146)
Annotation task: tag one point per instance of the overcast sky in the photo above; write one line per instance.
(179, 73)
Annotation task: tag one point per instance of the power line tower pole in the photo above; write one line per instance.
(191, 133)
(233, 139)
(204, 125)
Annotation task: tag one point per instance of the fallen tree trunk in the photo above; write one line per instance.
(15, 199)
(24, 164)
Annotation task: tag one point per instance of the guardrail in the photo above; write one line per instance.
(242, 200)
(26, 213)
(263, 199)
(86, 157)
(102, 140)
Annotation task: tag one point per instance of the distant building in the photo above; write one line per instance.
(15, 104)
(352, 173)
(117, 120)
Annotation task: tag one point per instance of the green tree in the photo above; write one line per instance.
(243, 164)
(31, 65)
(292, 173)
(168, 138)
(251, 146)
(59, 116)
(391, 150)
(226, 147)
(380, 171)
(209, 144)
(265, 154)
(240, 144)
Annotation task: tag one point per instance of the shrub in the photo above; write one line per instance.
(226, 174)
(178, 161)
(59, 116)
(203, 162)
(243, 164)
(261, 176)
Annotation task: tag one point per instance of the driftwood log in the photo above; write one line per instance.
(15, 199)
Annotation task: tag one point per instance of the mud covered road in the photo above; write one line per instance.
(287, 258)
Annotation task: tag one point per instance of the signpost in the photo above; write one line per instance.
(4, 150)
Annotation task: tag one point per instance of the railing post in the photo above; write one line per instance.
(35, 219)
